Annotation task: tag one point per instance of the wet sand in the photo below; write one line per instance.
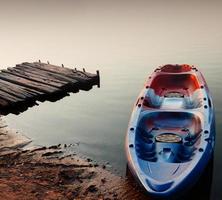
(48, 173)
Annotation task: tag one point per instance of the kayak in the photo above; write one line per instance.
(171, 133)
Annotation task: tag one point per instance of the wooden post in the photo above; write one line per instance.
(98, 77)
(84, 70)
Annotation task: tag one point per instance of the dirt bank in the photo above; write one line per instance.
(45, 173)
(41, 174)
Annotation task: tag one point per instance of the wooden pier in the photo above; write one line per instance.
(21, 86)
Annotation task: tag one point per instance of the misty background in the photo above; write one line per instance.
(126, 41)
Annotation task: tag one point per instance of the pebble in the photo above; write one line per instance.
(103, 180)
(92, 188)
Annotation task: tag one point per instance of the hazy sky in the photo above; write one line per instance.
(98, 32)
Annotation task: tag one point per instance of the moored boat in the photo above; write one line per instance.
(171, 133)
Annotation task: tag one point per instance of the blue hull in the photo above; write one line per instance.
(171, 133)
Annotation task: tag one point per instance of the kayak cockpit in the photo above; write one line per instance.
(163, 83)
(174, 91)
(167, 136)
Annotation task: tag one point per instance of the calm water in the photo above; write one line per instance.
(125, 40)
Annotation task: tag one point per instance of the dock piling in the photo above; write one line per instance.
(98, 77)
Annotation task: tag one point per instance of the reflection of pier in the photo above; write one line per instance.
(26, 83)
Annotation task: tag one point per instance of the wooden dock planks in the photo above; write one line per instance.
(22, 85)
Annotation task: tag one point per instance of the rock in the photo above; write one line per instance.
(67, 174)
(51, 153)
(73, 194)
(39, 149)
(54, 147)
(103, 180)
(91, 175)
(92, 189)
(115, 194)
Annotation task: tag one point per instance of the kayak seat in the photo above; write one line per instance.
(192, 137)
(173, 100)
(152, 100)
(194, 101)
(145, 146)
(185, 83)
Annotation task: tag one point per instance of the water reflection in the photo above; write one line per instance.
(202, 189)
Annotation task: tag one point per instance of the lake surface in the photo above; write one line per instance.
(126, 41)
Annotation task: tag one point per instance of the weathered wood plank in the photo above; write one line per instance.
(29, 93)
(33, 78)
(10, 98)
(29, 84)
(84, 82)
(3, 103)
(23, 85)
(61, 70)
(35, 73)
(9, 87)
(40, 76)
(11, 92)
(45, 73)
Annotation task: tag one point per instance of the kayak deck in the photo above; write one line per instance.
(171, 132)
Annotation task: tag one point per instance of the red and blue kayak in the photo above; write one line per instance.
(171, 133)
